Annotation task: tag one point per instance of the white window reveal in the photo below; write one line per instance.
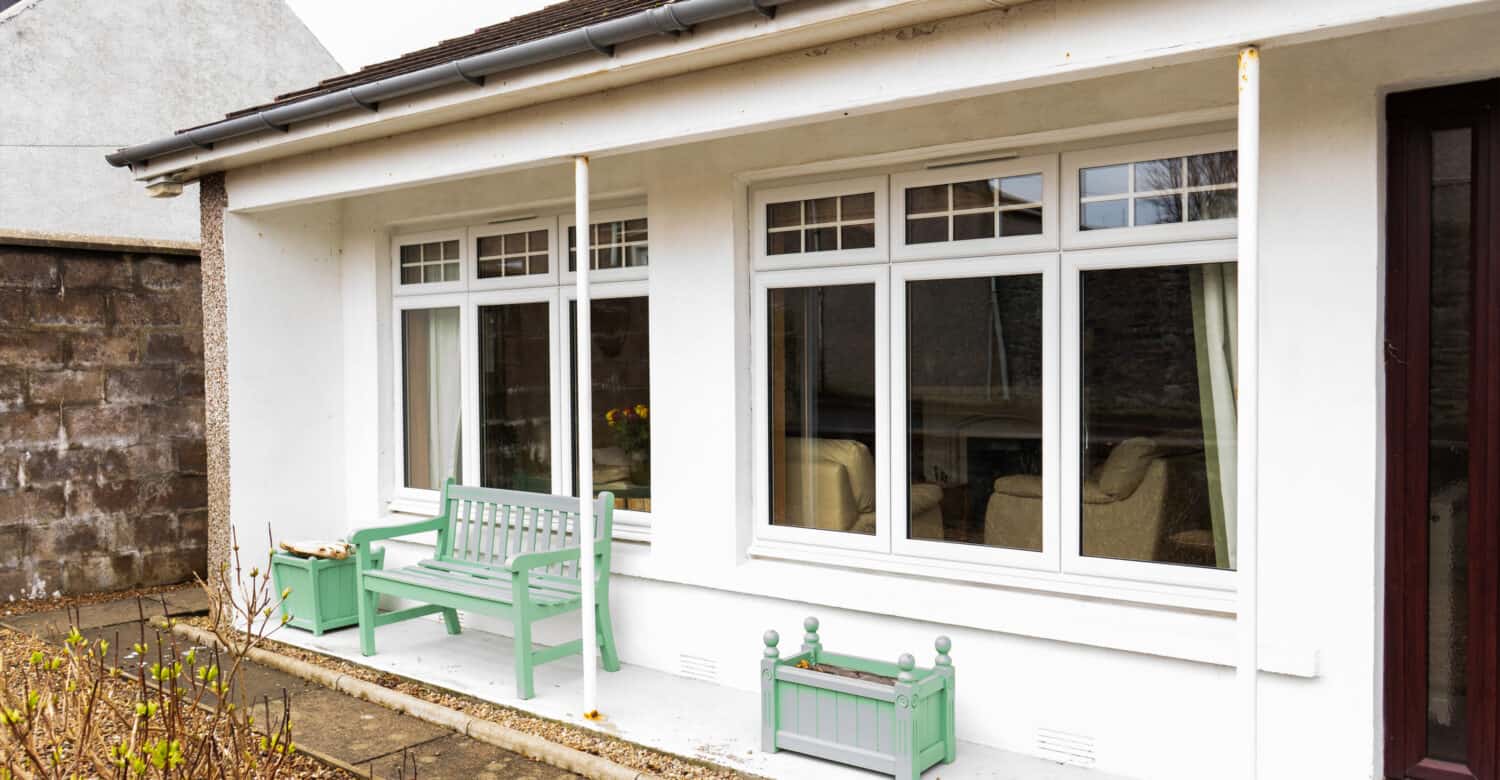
(981, 208)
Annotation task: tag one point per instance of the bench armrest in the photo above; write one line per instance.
(536, 560)
(367, 535)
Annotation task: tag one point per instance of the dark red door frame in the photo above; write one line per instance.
(1412, 117)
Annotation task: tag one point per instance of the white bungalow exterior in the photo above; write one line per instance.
(830, 427)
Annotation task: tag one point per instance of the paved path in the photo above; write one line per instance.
(365, 737)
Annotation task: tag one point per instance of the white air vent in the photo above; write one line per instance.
(697, 667)
(1065, 747)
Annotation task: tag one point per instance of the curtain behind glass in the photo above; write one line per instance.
(1215, 336)
(431, 392)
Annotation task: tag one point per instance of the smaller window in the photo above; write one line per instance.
(426, 263)
(620, 243)
(826, 224)
(1192, 188)
(523, 253)
(998, 207)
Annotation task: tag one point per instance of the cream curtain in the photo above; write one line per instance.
(1215, 312)
(445, 399)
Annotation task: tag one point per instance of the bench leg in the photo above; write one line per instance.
(367, 604)
(450, 618)
(524, 688)
(606, 631)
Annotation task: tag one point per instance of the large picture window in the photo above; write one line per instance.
(484, 365)
(1050, 409)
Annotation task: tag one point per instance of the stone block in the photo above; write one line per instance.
(193, 525)
(66, 387)
(174, 348)
(71, 308)
(43, 467)
(32, 349)
(112, 272)
(15, 546)
(107, 426)
(13, 311)
(32, 505)
(29, 428)
(141, 460)
(173, 493)
(158, 273)
(28, 268)
(97, 349)
(141, 385)
(12, 389)
(180, 420)
(134, 310)
(88, 499)
(190, 385)
(192, 456)
(156, 531)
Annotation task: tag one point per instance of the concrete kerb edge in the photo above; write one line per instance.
(528, 745)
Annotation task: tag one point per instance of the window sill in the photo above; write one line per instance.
(1213, 601)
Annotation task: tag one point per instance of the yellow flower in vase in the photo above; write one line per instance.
(642, 412)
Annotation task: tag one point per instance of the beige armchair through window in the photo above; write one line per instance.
(830, 485)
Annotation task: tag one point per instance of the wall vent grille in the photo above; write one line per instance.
(697, 667)
(1065, 747)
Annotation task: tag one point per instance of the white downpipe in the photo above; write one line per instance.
(583, 374)
(1247, 624)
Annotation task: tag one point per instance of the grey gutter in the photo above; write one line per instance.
(601, 38)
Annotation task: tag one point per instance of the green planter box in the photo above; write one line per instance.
(323, 593)
(893, 718)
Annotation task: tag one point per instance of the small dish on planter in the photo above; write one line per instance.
(887, 717)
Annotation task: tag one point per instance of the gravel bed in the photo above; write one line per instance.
(662, 764)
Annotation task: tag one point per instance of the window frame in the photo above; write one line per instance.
(627, 520)
(878, 275)
(504, 297)
(1201, 230)
(566, 221)
(426, 237)
(488, 230)
(1073, 264)
(761, 198)
(401, 494)
(1047, 266)
(1044, 164)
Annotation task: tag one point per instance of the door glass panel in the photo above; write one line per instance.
(515, 397)
(974, 410)
(621, 397)
(1451, 304)
(821, 370)
(430, 396)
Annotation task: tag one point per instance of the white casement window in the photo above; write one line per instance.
(829, 224)
(483, 366)
(981, 395)
(620, 245)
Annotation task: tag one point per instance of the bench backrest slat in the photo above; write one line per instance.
(487, 525)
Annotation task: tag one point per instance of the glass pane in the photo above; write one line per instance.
(515, 397)
(820, 239)
(1021, 189)
(1104, 180)
(974, 194)
(411, 274)
(635, 230)
(515, 243)
(858, 206)
(859, 236)
(784, 214)
(923, 200)
(1103, 214)
(1213, 204)
(1021, 222)
(637, 256)
(621, 398)
(1158, 210)
(786, 242)
(450, 250)
(1157, 445)
(536, 264)
(1157, 175)
(969, 226)
(821, 370)
(450, 272)
(488, 269)
(515, 266)
(821, 210)
(608, 257)
(411, 253)
(490, 246)
(432, 253)
(1216, 168)
(974, 413)
(430, 395)
(1451, 335)
(432, 273)
(926, 230)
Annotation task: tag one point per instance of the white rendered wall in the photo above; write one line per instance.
(81, 78)
(1149, 683)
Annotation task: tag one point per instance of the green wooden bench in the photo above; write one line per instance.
(499, 552)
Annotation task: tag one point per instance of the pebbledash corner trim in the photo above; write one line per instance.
(891, 718)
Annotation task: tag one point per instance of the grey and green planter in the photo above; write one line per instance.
(323, 594)
(900, 728)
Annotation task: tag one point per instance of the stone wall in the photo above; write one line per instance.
(102, 457)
